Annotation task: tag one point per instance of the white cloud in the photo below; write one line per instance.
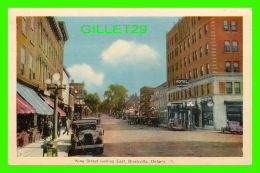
(129, 52)
(84, 72)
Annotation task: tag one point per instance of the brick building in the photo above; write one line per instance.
(208, 51)
(40, 47)
(160, 102)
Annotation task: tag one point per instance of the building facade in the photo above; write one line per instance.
(78, 90)
(147, 101)
(132, 105)
(160, 103)
(208, 51)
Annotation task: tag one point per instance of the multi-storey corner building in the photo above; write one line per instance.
(208, 51)
(160, 102)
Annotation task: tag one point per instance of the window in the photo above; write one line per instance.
(184, 46)
(189, 59)
(202, 90)
(190, 92)
(176, 66)
(197, 72)
(227, 46)
(206, 29)
(233, 26)
(176, 38)
(190, 75)
(229, 87)
(207, 49)
(237, 88)
(226, 25)
(235, 46)
(32, 30)
(194, 73)
(201, 51)
(23, 54)
(30, 67)
(185, 63)
(24, 25)
(180, 48)
(228, 66)
(194, 38)
(207, 68)
(197, 90)
(201, 71)
(200, 36)
(180, 64)
(208, 89)
(188, 42)
(236, 67)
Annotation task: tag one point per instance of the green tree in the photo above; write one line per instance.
(92, 101)
(115, 97)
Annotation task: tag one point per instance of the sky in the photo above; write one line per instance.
(133, 60)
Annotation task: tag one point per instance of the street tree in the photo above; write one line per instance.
(115, 97)
(93, 102)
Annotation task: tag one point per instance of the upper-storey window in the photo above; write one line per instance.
(228, 66)
(226, 25)
(227, 46)
(24, 25)
(235, 46)
(206, 29)
(233, 26)
(22, 64)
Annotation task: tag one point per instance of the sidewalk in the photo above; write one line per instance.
(36, 150)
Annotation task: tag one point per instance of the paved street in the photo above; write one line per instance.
(123, 140)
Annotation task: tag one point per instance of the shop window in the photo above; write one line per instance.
(229, 87)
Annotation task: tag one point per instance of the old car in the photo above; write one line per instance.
(133, 120)
(176, 124)
(232, 127)
(98, 121)
(153, 121)
(86, 137)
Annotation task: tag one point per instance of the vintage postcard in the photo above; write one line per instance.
(130, 86)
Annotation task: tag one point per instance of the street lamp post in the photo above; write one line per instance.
(54, 85)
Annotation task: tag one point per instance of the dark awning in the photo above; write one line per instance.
(32, 97)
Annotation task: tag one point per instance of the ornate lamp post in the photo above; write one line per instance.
(54, 85)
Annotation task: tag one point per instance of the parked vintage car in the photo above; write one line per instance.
(99, 127)
(133, 120)
(232, 127)
(86, 137)
(176, 124)
(153, 121)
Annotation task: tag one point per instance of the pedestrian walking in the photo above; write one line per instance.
(67, 126)
(50, 127)
(59, 126)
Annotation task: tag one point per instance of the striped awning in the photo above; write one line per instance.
(22, 107)
(33, 99)
(51, 104)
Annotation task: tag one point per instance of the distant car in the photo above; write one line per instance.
(86, 137)
(233, 127)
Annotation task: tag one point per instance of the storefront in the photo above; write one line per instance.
(234, 111)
